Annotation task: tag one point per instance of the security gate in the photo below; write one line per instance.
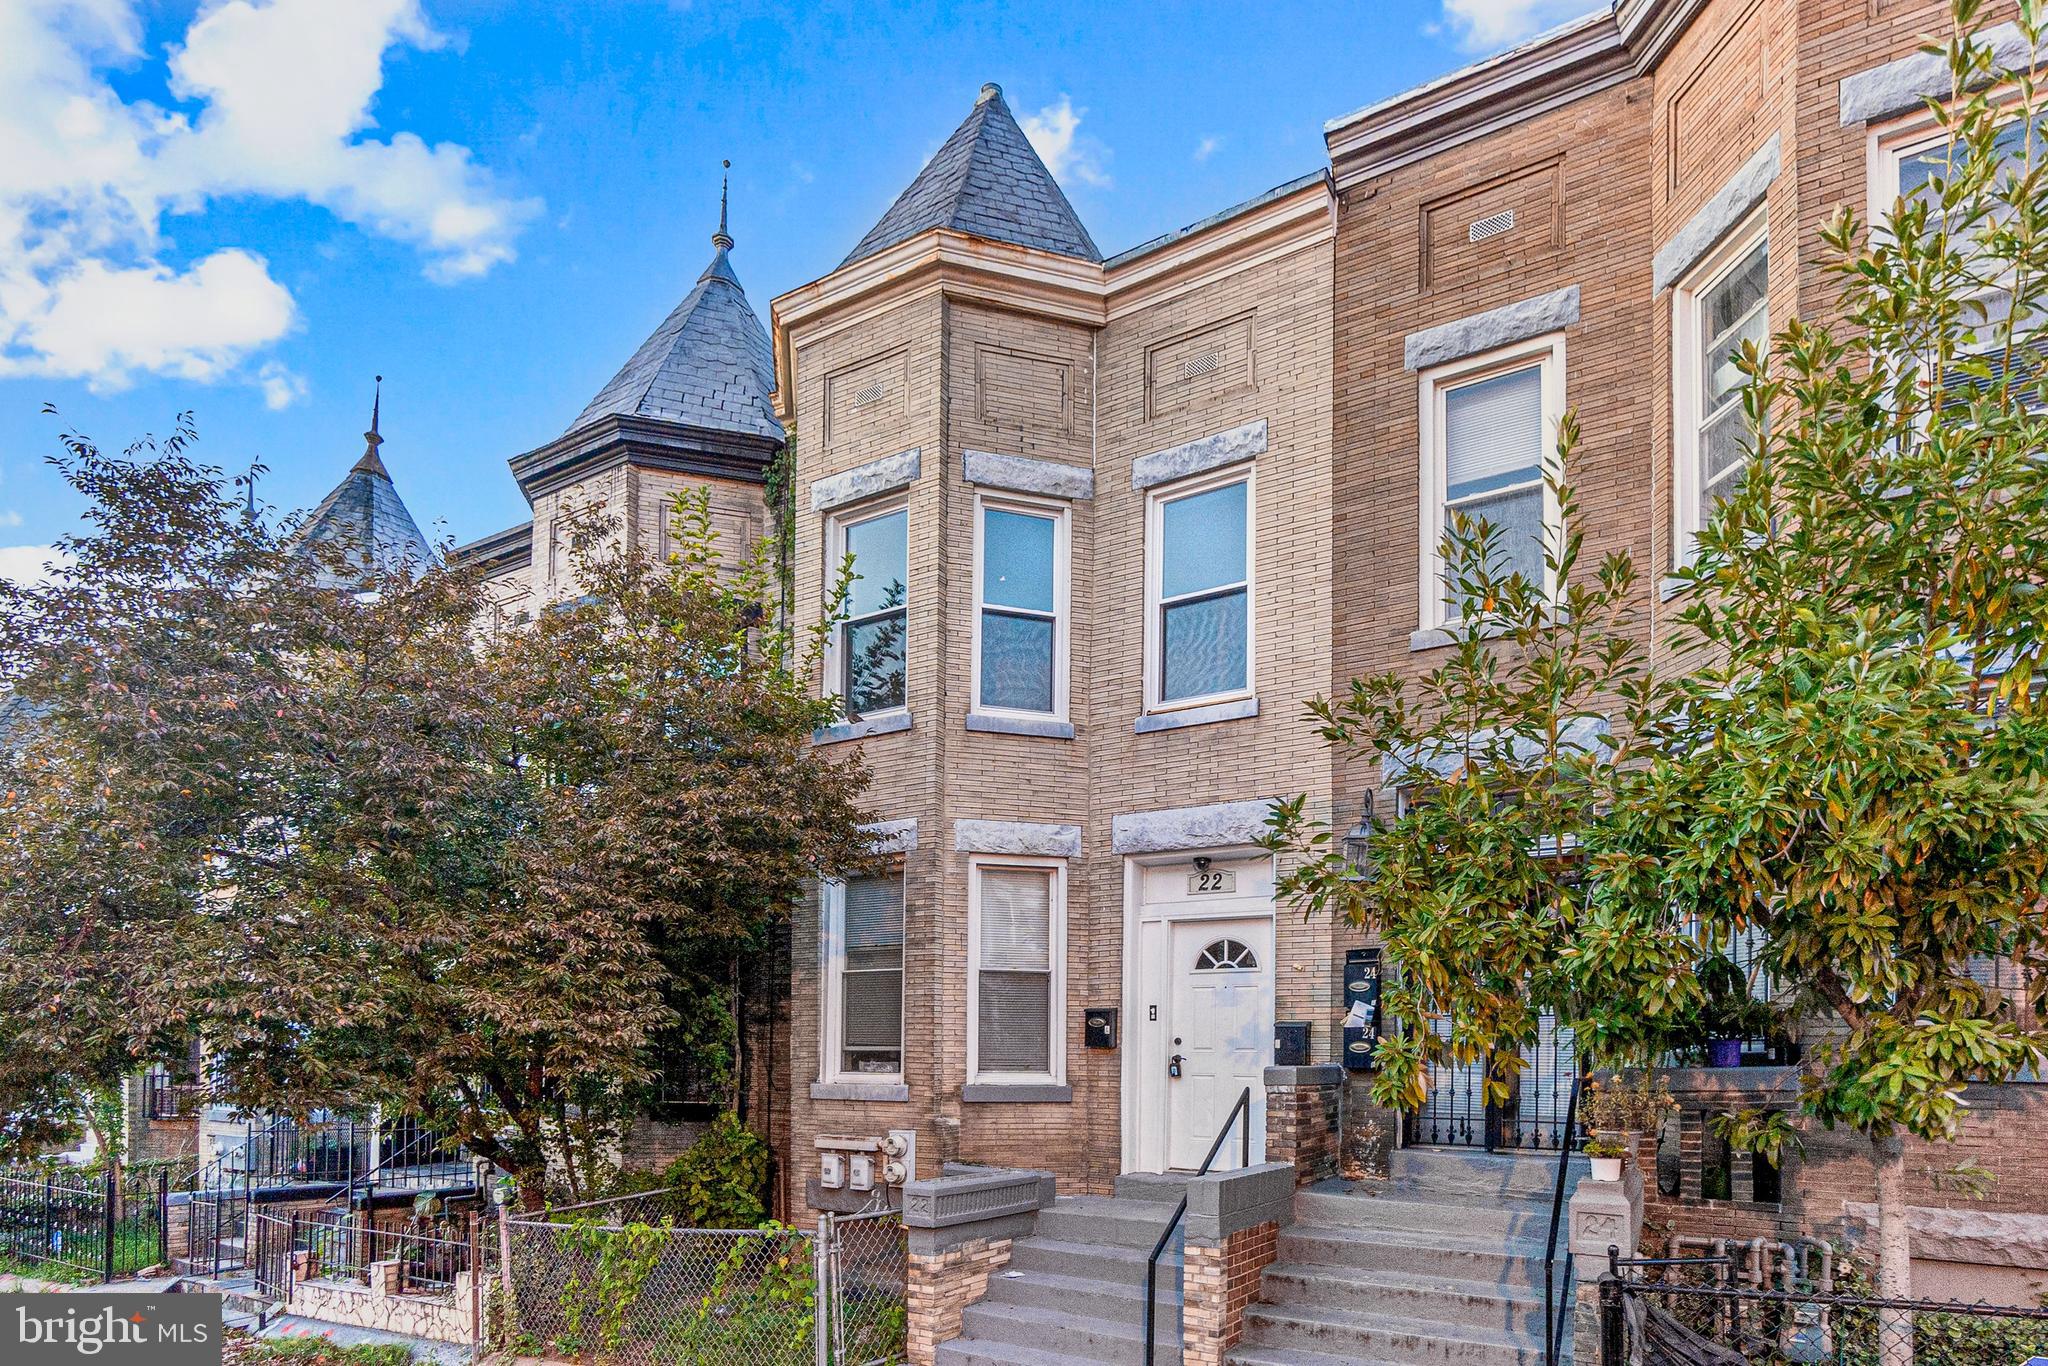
(1457, 1114)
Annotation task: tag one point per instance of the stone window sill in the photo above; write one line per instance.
(886, 724)
(1020, 1093)
(859, 1090)
(1044, 727)
(1153, 721)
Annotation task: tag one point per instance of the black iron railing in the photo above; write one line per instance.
(169, 1097)
(1554, 1319)
(1242, 1109)
(411, 1157)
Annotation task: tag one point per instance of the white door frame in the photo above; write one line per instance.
(1137, 1031)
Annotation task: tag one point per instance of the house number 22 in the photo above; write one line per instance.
(1211, 882)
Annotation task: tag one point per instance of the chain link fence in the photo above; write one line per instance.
(594, 1284)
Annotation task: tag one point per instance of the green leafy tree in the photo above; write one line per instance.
(1847, 766)
(371, 854)
(1851, 769)
(1502, 754)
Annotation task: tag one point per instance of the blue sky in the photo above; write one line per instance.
(249, 208)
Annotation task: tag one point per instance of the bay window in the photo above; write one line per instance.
(1199, 626)
(863, 978)
(1016, 996)
(1020, 629)
(869, 655)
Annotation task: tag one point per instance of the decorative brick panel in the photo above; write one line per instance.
(1302, 1127)
(941, 1286)
(1219, 1280)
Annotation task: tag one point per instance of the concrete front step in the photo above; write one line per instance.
(1104, 1221)
(1334, 1205)
(1117, 1301)
(1120, 1265)
(1243, 1355)
(1471, 1304)
(1460, 1257)
(1452, 1172)
(1356, 1335)
(1101, 1341)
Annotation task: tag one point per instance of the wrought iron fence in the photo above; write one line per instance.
(1717, 1311)
(598, 1288)
(82, 1226)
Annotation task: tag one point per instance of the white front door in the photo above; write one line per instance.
(1199, 993)
(1222, 1037)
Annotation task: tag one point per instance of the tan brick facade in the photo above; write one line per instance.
(941, 1285)
(1575, 164)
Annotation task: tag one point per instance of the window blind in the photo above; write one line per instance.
(1493, 433)
(1014, 994)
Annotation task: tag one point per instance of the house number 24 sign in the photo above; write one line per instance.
(1212, 882)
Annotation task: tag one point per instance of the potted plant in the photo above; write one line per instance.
(1727, 1013)
(1606, 1155)
(1619, 1108)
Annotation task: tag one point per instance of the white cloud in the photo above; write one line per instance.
(1206, 148)
(1486, 25)
(1055, 133)
(278, 100)
(281, 388)
(28, 564)
(10, 518)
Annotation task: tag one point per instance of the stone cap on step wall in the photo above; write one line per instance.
(1323, 1074)
(970, 1203)
(1223, 1203)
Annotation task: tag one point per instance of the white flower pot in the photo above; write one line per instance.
(1606, 1168)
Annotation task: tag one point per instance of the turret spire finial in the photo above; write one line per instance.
(723, 239)
(372, 439)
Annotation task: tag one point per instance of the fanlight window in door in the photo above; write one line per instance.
(1226, 955)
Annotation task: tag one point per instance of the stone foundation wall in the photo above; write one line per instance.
(443, 1318)
(1219, 1280)
(942, 1285)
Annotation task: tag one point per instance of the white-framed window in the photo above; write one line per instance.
(867, 659)
(1016, 982)
(862, 952)
(1488, 424)
(1198, 591)
(1021, 616)
(1723, 303)
(1906, 155)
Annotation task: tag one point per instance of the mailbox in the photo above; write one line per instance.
(1290, 1044)
(1098, 1028)
(1361, 1008)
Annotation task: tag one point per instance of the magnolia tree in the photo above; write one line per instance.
(1849, 765)
(371, 854)
(1851, 770)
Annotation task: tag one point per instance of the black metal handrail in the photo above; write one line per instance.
(1244, 1108)
(1553, 1321)
(400, 1166)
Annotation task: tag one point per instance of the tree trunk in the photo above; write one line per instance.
(1894, 1251)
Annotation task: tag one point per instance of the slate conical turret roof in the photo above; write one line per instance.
(365, 516)
(708, 364)
(987, 180)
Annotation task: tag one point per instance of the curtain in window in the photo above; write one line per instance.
(1014, 1019)
(871, 1022)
